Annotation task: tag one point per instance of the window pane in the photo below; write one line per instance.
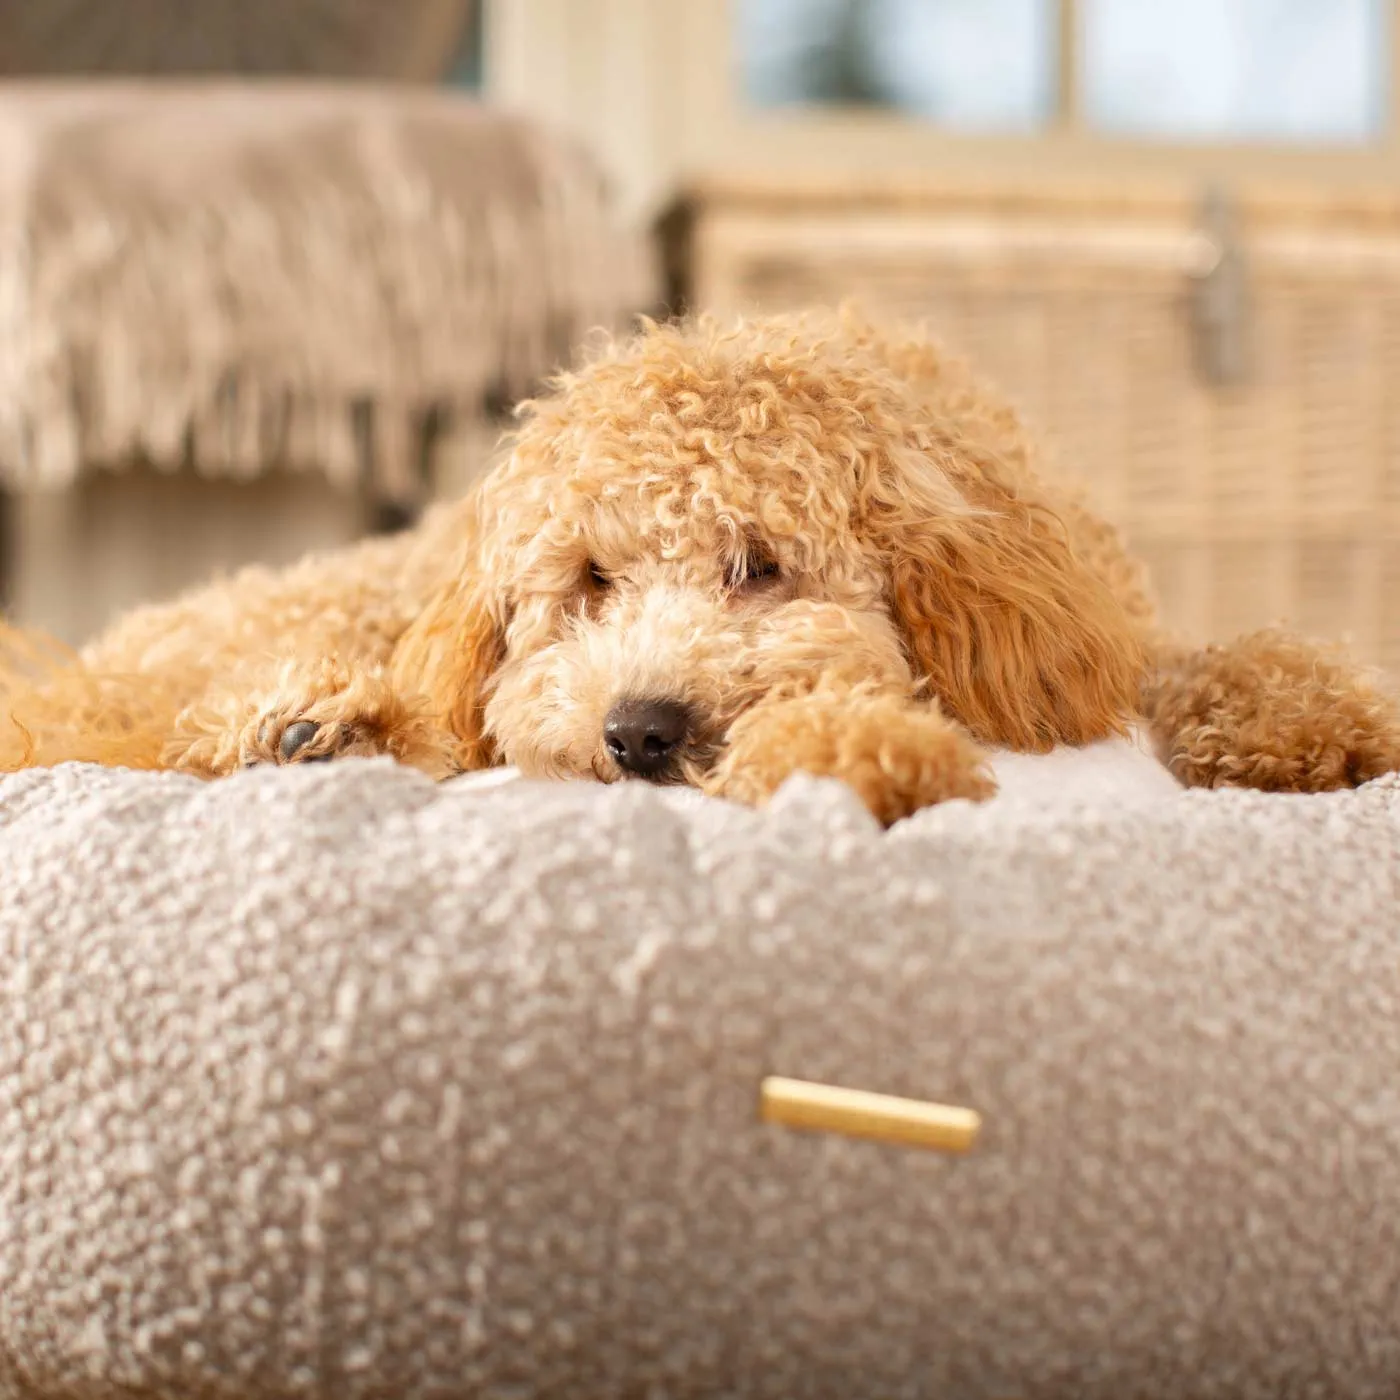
(987, 65)
(1284, 70)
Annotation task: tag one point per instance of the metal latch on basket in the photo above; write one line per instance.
(1218, 292)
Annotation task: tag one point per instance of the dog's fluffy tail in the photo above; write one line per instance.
(54, 709)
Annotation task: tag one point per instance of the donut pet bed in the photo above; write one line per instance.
(328, 1081)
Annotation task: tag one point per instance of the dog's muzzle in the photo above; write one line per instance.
(647, 737)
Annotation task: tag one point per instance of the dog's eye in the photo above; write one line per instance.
(597, 578)
(758, 569)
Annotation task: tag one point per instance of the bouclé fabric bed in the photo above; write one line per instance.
(329, 1081)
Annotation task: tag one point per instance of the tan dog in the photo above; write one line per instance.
(716, 557)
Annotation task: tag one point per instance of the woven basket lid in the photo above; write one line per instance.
(401, 40)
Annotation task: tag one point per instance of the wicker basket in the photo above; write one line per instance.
(1223, 373)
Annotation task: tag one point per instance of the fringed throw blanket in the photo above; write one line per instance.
(237, 277)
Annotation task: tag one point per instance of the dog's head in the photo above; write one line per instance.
(699, 520)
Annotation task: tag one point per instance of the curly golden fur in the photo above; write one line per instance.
(825, 548)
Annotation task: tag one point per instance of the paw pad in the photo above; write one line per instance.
(296, 737)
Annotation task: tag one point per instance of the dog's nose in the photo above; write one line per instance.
(645, 736)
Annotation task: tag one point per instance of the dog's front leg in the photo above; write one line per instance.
(1271, 712)
(896, 754)
(307, 712)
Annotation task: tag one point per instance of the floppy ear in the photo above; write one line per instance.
(449, 653)
(1020, 640)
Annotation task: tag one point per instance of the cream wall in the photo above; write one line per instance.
(608, 71)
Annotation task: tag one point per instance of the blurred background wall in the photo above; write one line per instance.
(1172, 231)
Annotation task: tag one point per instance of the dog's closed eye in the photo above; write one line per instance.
(755, 570)
(597, 578)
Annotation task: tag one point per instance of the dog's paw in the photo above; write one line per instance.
(314, 712)
(327, 711)
(895, 755)
(283, 738)
(1272, 713)
(319, 711)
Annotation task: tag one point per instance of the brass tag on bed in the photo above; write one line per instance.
(824, 1108)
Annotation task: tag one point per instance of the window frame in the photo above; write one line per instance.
(717, 128)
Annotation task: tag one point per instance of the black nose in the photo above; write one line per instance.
(645, 736)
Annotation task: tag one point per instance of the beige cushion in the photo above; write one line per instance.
(331, 1082)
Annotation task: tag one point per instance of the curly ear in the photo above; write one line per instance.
(1020, 640)
(449, 653)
